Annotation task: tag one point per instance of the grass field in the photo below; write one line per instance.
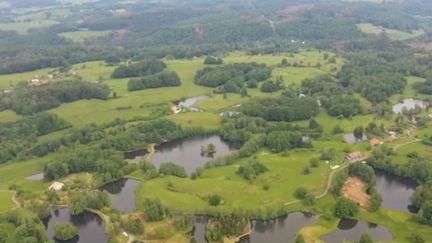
(392, 34)
(191, 195)
(23, 27)
(6, 202)
(8, 116)
(16, 172)
(80, 36)
(139, 103)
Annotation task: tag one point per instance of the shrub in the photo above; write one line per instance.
(65, 231)
(345, 208)
(215, 200)
(169, 168)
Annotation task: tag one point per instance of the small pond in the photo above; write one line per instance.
(122, 194)
(187, 152)
(190, 103)
(395, 191)
(90, 226)
(36, 177)
(198, 232)
(351, 139)
(409, 104)
(279, 230)
(351, 230)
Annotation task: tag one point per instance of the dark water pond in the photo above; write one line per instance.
(279, 230)
(395, 191)
(409, 104)
(90, 226)
(351, 230)
(187, 152)
(122, 194)
(36, 177)
(135, 154)
(350, 138)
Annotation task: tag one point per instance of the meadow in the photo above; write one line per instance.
(189, 195)
(392, 34)
(81, 36)
(24, 26)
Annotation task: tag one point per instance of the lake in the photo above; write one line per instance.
(395, 191)
(187, 152)
(122, 194)
(409, 104)
(279, 230)
(90, 226)
(351, 230)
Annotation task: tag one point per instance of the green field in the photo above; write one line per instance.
(80, 36)
(191, 195)
(6, 202)
(23, 27)
(392, 34)
(14, 173)
(8, 116)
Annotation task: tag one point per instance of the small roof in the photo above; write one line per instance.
(56, 186)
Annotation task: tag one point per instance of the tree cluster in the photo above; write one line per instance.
(162, 79)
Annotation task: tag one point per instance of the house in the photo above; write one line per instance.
(375, 141)
(355, 156)
(56, 186)
(36, 81)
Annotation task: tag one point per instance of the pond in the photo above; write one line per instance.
(409, 104)
(36, 177)
(395, 191)
(198, 232)
(279, 230)
(187, 152)
(122, 194)
(90, 226)
(190, 103)
(351, 139)
(351, 230)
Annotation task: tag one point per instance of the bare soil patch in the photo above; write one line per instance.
(355, 189)
(296, 9)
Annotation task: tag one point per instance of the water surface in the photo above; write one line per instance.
(395, 191)
(187, 152)
(198, 232)
(409, 104)
(279, 230)
(122, 194)
(351, 230)
(36, 177)
(190, 103)
(351, 139)
(90, 226)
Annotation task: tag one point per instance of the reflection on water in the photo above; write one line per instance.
(187, 152)
(90, 226)
(408, 104)
(396, 191)
(351, 230)
(122, 194)
(279, 230)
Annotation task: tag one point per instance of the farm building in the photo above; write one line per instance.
(375, 141)
(355, 156)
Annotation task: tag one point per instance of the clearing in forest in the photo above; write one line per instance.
(355, 189)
